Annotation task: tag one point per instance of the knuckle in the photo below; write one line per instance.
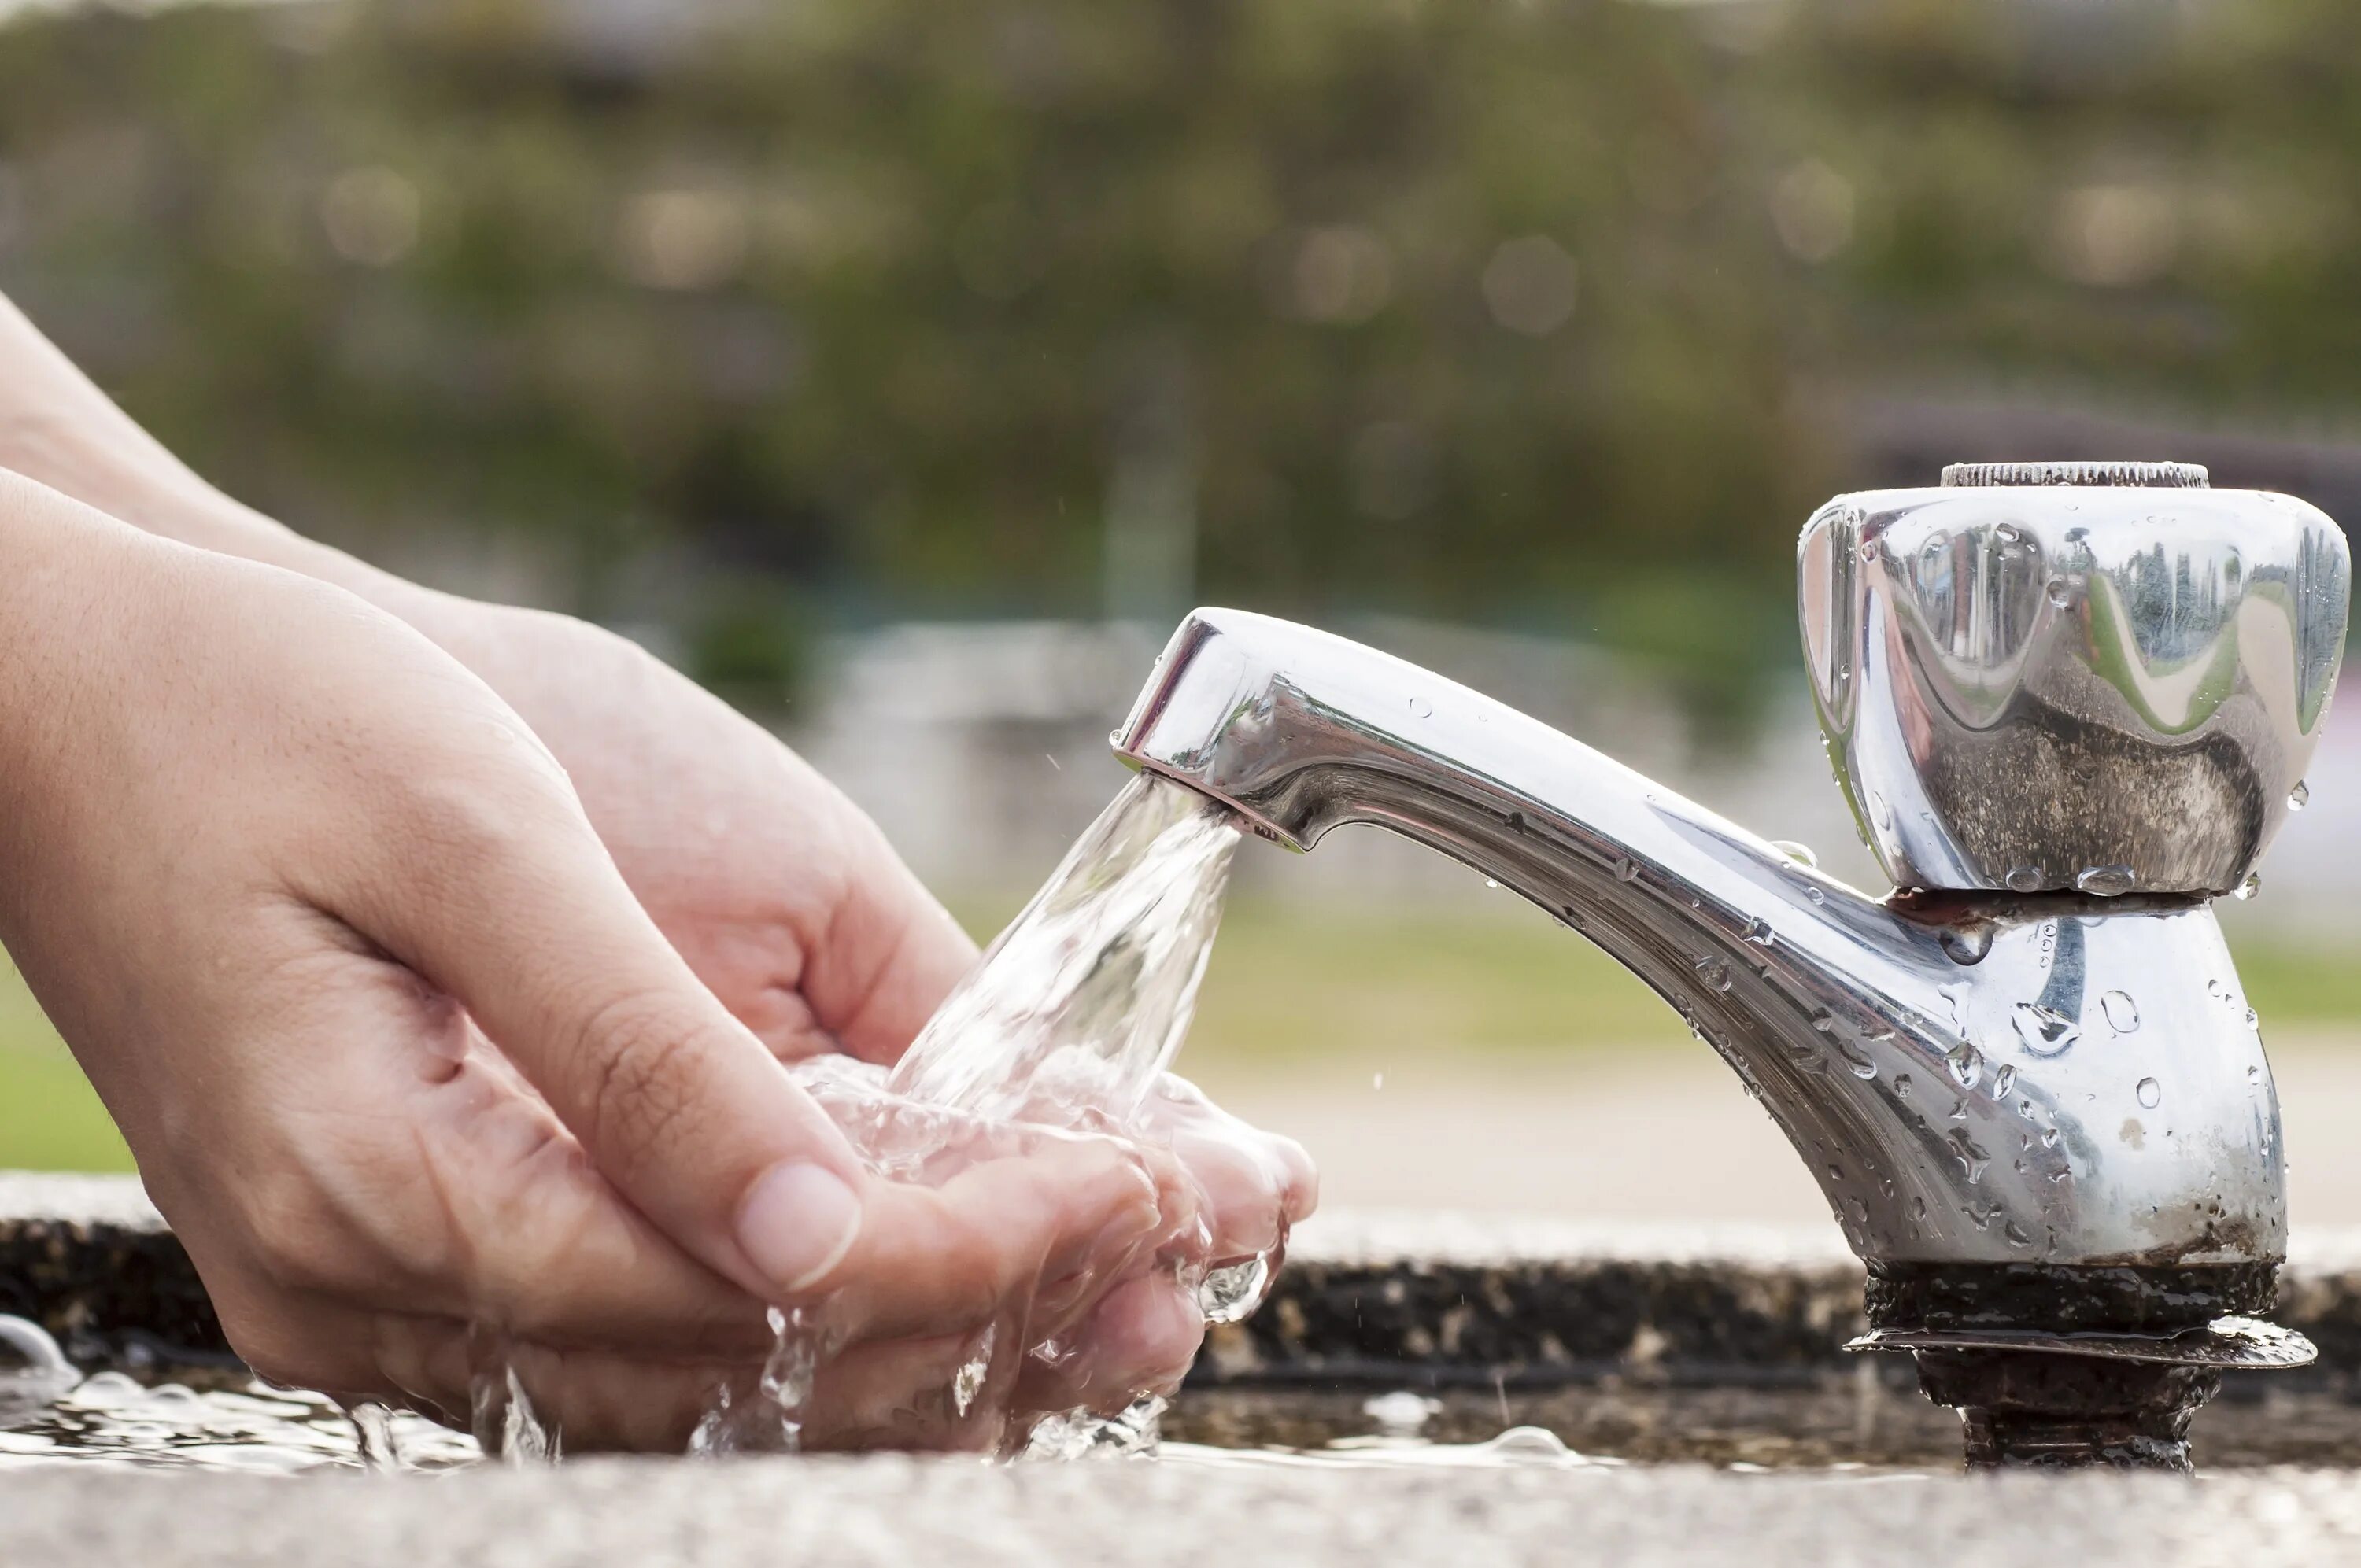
(481, 814)
(639, 1060)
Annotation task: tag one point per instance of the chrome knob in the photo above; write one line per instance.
(2098, 676)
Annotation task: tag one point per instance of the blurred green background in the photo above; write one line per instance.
(746, 325)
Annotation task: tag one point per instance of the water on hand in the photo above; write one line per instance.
(1066, 1023)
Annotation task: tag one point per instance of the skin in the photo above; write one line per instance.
(526, 925)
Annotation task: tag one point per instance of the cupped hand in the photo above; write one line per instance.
(402, 1059)
(790, 904)
(781, 896)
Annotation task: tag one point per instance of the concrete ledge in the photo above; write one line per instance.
(895, 1511)
(1388, 1297)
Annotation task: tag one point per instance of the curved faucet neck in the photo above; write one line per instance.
(1928, 1061)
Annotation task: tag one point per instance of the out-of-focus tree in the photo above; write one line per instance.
(1518, 312)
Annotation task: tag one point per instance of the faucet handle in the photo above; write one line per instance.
(2099, 676)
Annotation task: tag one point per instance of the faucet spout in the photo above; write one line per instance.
(1986, 1086)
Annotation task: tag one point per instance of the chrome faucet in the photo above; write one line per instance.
(2070, 705)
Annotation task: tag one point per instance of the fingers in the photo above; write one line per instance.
(1141, 1338)
(890, 955)
(954, 1254)
(1252, 1184)
(512, 907)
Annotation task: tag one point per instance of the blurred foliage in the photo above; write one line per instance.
(1516, 310)
(749, 646)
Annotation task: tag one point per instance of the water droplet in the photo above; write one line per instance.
(1492, 883)
(2254, 1076)
(1625, 871)
(1862, 1068)
(1902, 1085)
(2151, 1093)
(1918, 1208)
(2017, 1237)
(2122, 1013)
(1823, 1020)
(2062, 592)
(2025, 1108)
(1816, 895)
(2248, 888)
(2044, 1031)
(1880, 810)
(1970, 1154)
(2049, 1136)
(1230, 1294)
(2007, 533)
(2300, 797)
(1714, 973)
(1799, 853)
(2107, 882)
(2024, 878)
(1868, 551)
(2253, 1019)
(1967, 1064)
(1967, 946)
(1422, 708)
(2213, 986)
(1859, 1210)
(2002, 1081)
(1574, 916)
(1758, 931)
(1958, 1110)
(968, 1381)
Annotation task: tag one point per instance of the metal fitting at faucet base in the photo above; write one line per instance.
(2029, 1409)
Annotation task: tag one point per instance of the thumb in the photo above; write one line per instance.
(511, 904)
(507, 901)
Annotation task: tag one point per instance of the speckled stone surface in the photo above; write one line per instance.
(892, 1511)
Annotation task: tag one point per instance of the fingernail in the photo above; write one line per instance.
(796, 1224)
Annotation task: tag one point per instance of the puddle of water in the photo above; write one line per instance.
(110, 1419)
(1863, 1426)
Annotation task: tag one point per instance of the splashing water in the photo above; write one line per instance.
(1067, 1023)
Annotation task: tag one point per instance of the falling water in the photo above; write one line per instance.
(1086, 996)
(1067, 1022)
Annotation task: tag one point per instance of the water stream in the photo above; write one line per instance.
(1065, 1023)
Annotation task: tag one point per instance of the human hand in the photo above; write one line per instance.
(784, 899)
(401, 1057)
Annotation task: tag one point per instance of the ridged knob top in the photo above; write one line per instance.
(2179, 476)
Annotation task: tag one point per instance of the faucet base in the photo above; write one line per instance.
(2077, 1367)
(2037, 1409)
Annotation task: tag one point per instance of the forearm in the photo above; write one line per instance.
(58, 428)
